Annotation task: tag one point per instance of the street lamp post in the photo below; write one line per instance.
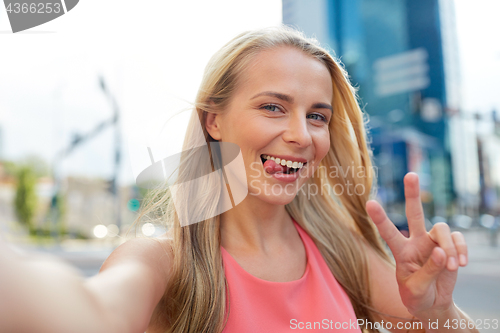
(117, 152)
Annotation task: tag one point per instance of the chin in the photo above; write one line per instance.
(281, 201)
(274, 199)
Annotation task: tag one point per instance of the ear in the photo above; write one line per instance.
(212, 125)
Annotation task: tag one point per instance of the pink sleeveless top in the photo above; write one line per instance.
(315, 302)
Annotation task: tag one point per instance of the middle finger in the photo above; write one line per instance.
(414, 209)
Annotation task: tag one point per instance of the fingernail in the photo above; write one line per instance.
(463, 260)
(451, 263)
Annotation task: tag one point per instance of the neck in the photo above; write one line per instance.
(255, 225)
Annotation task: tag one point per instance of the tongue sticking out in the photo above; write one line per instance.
(272, 167)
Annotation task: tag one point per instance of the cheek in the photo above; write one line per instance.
(322, 142)
(251, 133)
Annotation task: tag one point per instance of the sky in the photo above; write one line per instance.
(152, 58)
(477, 31)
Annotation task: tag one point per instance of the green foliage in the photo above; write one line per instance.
(25, 202)
(37, 165)
(80, 235)
(10, 168)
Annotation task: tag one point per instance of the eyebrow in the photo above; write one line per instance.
(289, 99)
(322, 106)
(286, 98)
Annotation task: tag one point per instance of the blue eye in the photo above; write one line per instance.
(271, 107)
(318, 117)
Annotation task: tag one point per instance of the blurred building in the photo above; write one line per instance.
(87, 202)
(90, 201)
(7, 192)
(488, 142)
(402, 56)
(1, 143)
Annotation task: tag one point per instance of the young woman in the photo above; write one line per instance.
(300, 251)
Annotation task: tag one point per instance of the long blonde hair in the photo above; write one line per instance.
(196, 299)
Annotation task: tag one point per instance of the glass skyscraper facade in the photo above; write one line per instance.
(401, 55)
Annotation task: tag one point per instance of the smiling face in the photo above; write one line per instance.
(279, 117)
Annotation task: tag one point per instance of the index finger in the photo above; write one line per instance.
(385, 227)
(414, 209)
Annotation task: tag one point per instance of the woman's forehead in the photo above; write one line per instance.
(288, 69)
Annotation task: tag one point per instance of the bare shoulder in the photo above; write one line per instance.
(155, 253)
(384, 287)
(133, 280)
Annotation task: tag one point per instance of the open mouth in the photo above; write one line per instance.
(286, 169)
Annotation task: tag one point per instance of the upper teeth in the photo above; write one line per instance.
(290, 164)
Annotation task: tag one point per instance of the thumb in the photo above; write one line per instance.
(432, 268)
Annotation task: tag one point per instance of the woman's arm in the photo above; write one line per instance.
(45, 295)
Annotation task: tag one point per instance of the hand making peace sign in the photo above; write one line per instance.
(426, 262)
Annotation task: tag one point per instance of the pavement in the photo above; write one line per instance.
(477, 291)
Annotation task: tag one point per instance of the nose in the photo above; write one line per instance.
(297, 131)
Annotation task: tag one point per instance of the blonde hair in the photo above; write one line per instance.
(196, 299)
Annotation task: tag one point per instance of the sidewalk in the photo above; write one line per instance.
(483, 258)
(477, 291)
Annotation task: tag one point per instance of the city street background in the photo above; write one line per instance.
(87, 100)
